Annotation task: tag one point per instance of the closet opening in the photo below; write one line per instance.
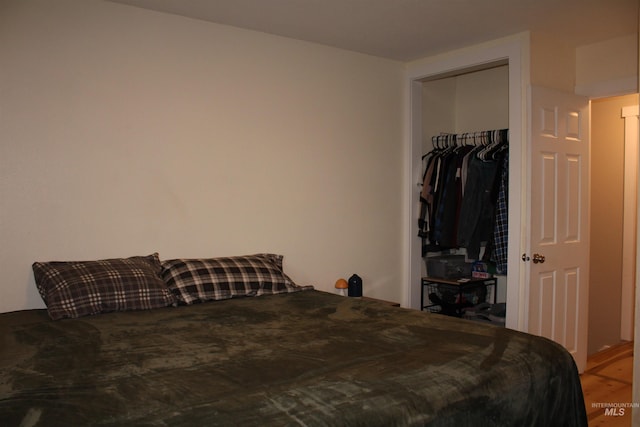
(464, 178)
(433, 103)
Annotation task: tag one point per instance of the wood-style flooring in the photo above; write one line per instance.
(608, 379)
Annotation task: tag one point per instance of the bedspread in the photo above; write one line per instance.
(308, 358)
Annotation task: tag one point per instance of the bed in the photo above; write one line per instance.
(300, 357)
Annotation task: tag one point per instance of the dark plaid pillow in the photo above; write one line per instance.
(198, 280)
(79, 288)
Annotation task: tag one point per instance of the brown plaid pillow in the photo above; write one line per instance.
(198, 280)
(79, 288)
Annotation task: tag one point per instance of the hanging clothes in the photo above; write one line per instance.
(477, 210)
(464, 179)
(501, 230)
(438, 195)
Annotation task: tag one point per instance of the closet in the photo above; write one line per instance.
(465, 111)
(463, 201)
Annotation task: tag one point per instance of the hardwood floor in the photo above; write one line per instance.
(608, 379)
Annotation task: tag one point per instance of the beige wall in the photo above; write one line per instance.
(126, 131)
(608, 68)
(553, 62)
(607, 175)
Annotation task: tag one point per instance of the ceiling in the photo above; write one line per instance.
(405, 30)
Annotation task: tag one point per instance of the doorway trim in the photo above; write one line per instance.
(630, 115)
(515, 51)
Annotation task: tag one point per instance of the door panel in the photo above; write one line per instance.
(574, 216)
(559, 200)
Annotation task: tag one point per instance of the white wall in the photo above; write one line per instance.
(468, 102)
(126, 131)
(438, 109)
(482, 100)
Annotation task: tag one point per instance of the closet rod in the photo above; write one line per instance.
(445, 140)
(479, 138)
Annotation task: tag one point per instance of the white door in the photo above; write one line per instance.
(558, 256)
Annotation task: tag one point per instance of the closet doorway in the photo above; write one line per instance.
(506, 53)
(465, 104)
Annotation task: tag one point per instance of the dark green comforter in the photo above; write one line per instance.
(306, 358)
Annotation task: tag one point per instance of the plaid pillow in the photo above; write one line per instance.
(79, 288)
(198, 280)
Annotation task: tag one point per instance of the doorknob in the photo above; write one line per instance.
(537, 258)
